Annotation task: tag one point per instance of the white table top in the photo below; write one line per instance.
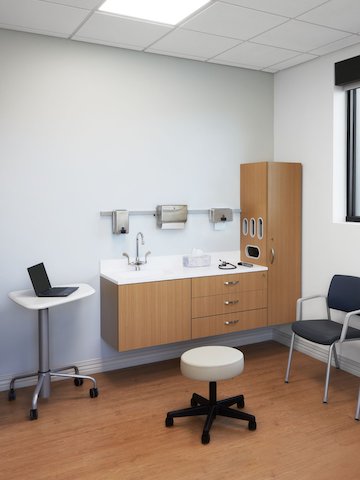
(28, 299)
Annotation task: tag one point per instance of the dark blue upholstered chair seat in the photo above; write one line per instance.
(324, 332)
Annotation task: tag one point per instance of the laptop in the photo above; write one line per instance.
(42, 286)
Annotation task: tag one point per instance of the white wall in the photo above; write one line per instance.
(308, 126)
(87, 128)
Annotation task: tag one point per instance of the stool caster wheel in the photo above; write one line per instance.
(169, 421)
(205, 438)
(33, 414)
(11, 395)
(252, 425)
(78, 382)
(93, 392)
(241, 403)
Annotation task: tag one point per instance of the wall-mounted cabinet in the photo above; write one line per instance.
(155, 313)
(270, 200)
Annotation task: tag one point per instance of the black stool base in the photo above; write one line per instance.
(211, 408)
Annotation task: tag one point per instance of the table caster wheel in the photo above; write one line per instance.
(33, 414)
(94, 392)
(78, 382)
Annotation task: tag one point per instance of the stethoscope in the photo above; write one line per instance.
(226, 265)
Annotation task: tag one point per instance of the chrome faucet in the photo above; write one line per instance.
(138, 236)
(137, 262)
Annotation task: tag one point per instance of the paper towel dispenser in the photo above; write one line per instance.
(171, 217)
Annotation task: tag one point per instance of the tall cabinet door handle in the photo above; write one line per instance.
(272, 251)
(231, 302)
(232, 283)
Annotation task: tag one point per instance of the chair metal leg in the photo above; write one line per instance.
(336, 358)
(327, 379)
(290, 358)
(357, 413)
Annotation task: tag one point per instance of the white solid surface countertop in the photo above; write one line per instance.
(170, 267)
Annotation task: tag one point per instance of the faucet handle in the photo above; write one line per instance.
(127, 256)
(146, 255)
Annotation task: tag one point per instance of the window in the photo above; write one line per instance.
(353, 155)
(347, 75)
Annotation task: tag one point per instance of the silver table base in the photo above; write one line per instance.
(44, 374)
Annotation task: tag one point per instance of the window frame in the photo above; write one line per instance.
(351, 161)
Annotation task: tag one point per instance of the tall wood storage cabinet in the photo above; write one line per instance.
(270, 201)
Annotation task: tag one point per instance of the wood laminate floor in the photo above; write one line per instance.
(122, 435)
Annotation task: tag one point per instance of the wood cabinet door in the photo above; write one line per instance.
(154, 313)
(283, 241)
(253, 203)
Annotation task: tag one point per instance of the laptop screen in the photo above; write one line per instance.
(39, 278)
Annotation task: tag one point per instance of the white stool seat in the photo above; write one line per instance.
(212, 363)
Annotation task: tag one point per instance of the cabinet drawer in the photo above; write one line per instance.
(228, 323)
(228, 303)
(241, 282)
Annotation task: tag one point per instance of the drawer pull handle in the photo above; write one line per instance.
(231, 302)
(235, 282)
(231, 322)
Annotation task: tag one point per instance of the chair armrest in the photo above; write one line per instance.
(346, 324)
(300, 302)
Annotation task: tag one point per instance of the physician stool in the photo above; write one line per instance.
(211, 364)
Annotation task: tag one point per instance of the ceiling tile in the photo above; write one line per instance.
(114, 30)
(87, 4)
(341, 14)
(261, 56)
(338, 45)
(229, 63)
(40, 17)
(288, 8)
(303, 57)
(194, 44)
(299, 36)
(232, 21)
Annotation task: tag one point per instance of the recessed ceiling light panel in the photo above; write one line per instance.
(169, 12)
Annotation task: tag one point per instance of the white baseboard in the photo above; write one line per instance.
(153, 354)
(166, 352)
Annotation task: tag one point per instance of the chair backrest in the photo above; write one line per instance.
(344, 293)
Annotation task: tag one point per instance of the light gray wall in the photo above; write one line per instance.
(309, 124)
(87, 128)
